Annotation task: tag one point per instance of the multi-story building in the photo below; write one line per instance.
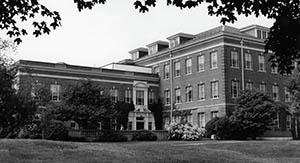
(201, 75)
(198, 77)
(139, 86)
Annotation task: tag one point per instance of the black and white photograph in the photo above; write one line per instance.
(149, 81)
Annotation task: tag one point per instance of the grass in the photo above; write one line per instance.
(166, 151)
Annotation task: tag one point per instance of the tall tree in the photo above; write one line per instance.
(15, 111)
(283, 41)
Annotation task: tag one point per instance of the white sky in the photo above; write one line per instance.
(106, 33)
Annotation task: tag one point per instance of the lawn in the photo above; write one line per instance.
(166, 151)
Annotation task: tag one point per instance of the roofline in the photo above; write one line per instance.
(181, 34)
(158, 42)
(253, 26)
(138, 49)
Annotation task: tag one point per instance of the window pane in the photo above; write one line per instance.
(201, 63)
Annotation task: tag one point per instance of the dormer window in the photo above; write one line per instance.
(174, 42)
(135, 55)
(152, 49)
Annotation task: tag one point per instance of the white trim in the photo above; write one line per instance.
(206, 48)
(78, 78)
(198, 107)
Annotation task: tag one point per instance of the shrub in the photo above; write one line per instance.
(185, 131)
(111, 136)
(144, 136)
(56, 131)
(210, 127)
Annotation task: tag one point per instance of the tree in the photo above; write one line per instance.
(294, 108)
(284, 37)
(157, 108)
(122, 111)
(15, 111)
(254, 113)
(86, 104)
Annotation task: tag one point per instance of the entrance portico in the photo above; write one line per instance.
(141, 118)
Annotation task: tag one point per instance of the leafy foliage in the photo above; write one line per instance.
(156, 108)
(85, 104)
(284, 38)
(185, 131)
(15, 111)
(122, 111)
(252, 116)
(144, 136)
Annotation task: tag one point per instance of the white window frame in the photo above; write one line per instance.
(177, 96)
(200, 61)
(287, 95)
(249, 85)
(188, 66)
(234, 88)
(128, 96)
(167, 97)
(214, 60)
(201, 91)
(275, 92)
(214, 89)
(166, 71)
(248, 61)
(262, 87)
(189, 93)
(177, 69)
(201, 120)
(234, 59)
(140, 97)
(55, 92)
(261, 63)
(114, 95)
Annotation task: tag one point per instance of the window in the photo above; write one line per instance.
(156, 70)
(234, 59)
(274, 69)
(249, 85)
(189, 94)
(213, 60)
(201, 120)
(140, 97)
(151, 97)
(261, 63)
(264, 34)
(167, 97)
(200, 63)
(262, 87)
(288, 121)
(166, 71)
(34, 90)
(149, 125)
(114, 95)
(152, 49)
(275, 92)
(177, 96)
(287, 95)
(135, 55)
(214, 114)
(201, 91)
(276, 121)
(177, 68)
(188, 66)
(234, 88)
(214, 89)
(55, 92)
(174, 42)
(248, 62)
(259, 34)
(189, 118)
(128, 96)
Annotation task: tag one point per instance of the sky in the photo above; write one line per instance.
(108, 32)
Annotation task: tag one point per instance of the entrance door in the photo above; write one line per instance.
(140, 125)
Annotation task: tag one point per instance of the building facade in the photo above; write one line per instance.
(139, 87)
(201, 75)
(198, 77)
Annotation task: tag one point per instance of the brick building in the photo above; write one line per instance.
(197, 76)
(201, 75)
(138, 86)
